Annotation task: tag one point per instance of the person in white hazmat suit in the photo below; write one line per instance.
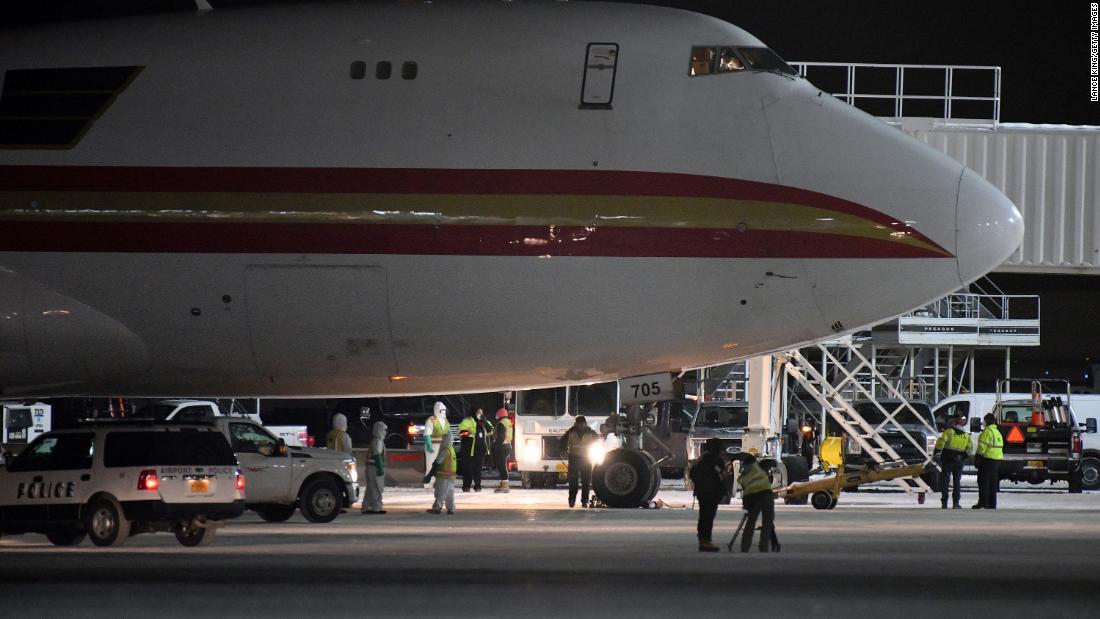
(439, 451)
(375, 470)
(338, 438)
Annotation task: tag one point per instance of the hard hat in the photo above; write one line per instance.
(502, 413)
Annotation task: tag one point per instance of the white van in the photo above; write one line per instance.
(974, 407)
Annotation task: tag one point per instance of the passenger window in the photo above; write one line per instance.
(61, 452)
(702, 61)
(408, 71)
(383, 70)
(358, 70)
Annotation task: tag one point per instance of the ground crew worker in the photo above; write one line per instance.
(502, 447)
(338, 438)
(706, 477)
(988, 460)
(575, 442)
(951, 450)
(759, 500)
(437, 440)
(375, 470)
(474, 440)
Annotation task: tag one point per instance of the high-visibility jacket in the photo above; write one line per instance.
(336, 440)
(435, 430)
(577, 441)
(467, 433)
(991, 444)
(954, 440)
(448, 467)
(754, 480)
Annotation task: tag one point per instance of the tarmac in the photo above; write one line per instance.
(526, 554)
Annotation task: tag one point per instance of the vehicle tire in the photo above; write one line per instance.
(1075, 482)
(796, 471)
(623, 479)
(190, 534)
(832, 504)
(321, 501)
(549, 480)
(105, 522)
(66, 537)
(822, 499)
(1090, 473)
(274, 513)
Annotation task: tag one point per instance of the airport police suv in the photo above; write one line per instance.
(107, 481)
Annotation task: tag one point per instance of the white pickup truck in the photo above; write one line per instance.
(278, 477)
(200, 410)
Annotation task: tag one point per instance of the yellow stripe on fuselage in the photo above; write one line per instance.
(448, 209)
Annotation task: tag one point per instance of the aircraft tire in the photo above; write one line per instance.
(623, 479)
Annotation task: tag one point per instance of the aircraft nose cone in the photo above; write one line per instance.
(989, 227)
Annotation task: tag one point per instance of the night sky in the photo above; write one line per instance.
(1043, 48)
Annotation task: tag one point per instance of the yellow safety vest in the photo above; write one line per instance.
(991, 443)
(507, 423)
(578, 442)
(449, 465)
(469, 426)
(333, 440)
(953, 440)
(754, 480)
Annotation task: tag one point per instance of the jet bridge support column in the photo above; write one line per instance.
(767, 396)
(765, 407)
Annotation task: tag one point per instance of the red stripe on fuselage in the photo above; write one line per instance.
(401, 239)
(433, 239)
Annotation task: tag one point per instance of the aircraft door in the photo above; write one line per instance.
(319, 321)
(600, 63)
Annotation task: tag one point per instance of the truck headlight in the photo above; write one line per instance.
(531, 450)
(353, 470)
(596, 453)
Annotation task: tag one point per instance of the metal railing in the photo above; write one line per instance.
(990, 306)
(851, 94)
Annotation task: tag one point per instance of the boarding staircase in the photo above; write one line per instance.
(834, 395)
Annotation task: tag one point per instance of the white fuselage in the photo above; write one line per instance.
(245, 218)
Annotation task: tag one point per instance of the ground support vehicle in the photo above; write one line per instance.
(1042, 439)
(108, 481)
(824, 492)
(543, 416)
(279, 479)
(1085, 410)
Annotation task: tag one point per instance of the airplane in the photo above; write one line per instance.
(388, 199)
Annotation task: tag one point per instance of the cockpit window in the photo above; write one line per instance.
(728, 60)
(710, 60)
(702, 60)
(764, 59)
